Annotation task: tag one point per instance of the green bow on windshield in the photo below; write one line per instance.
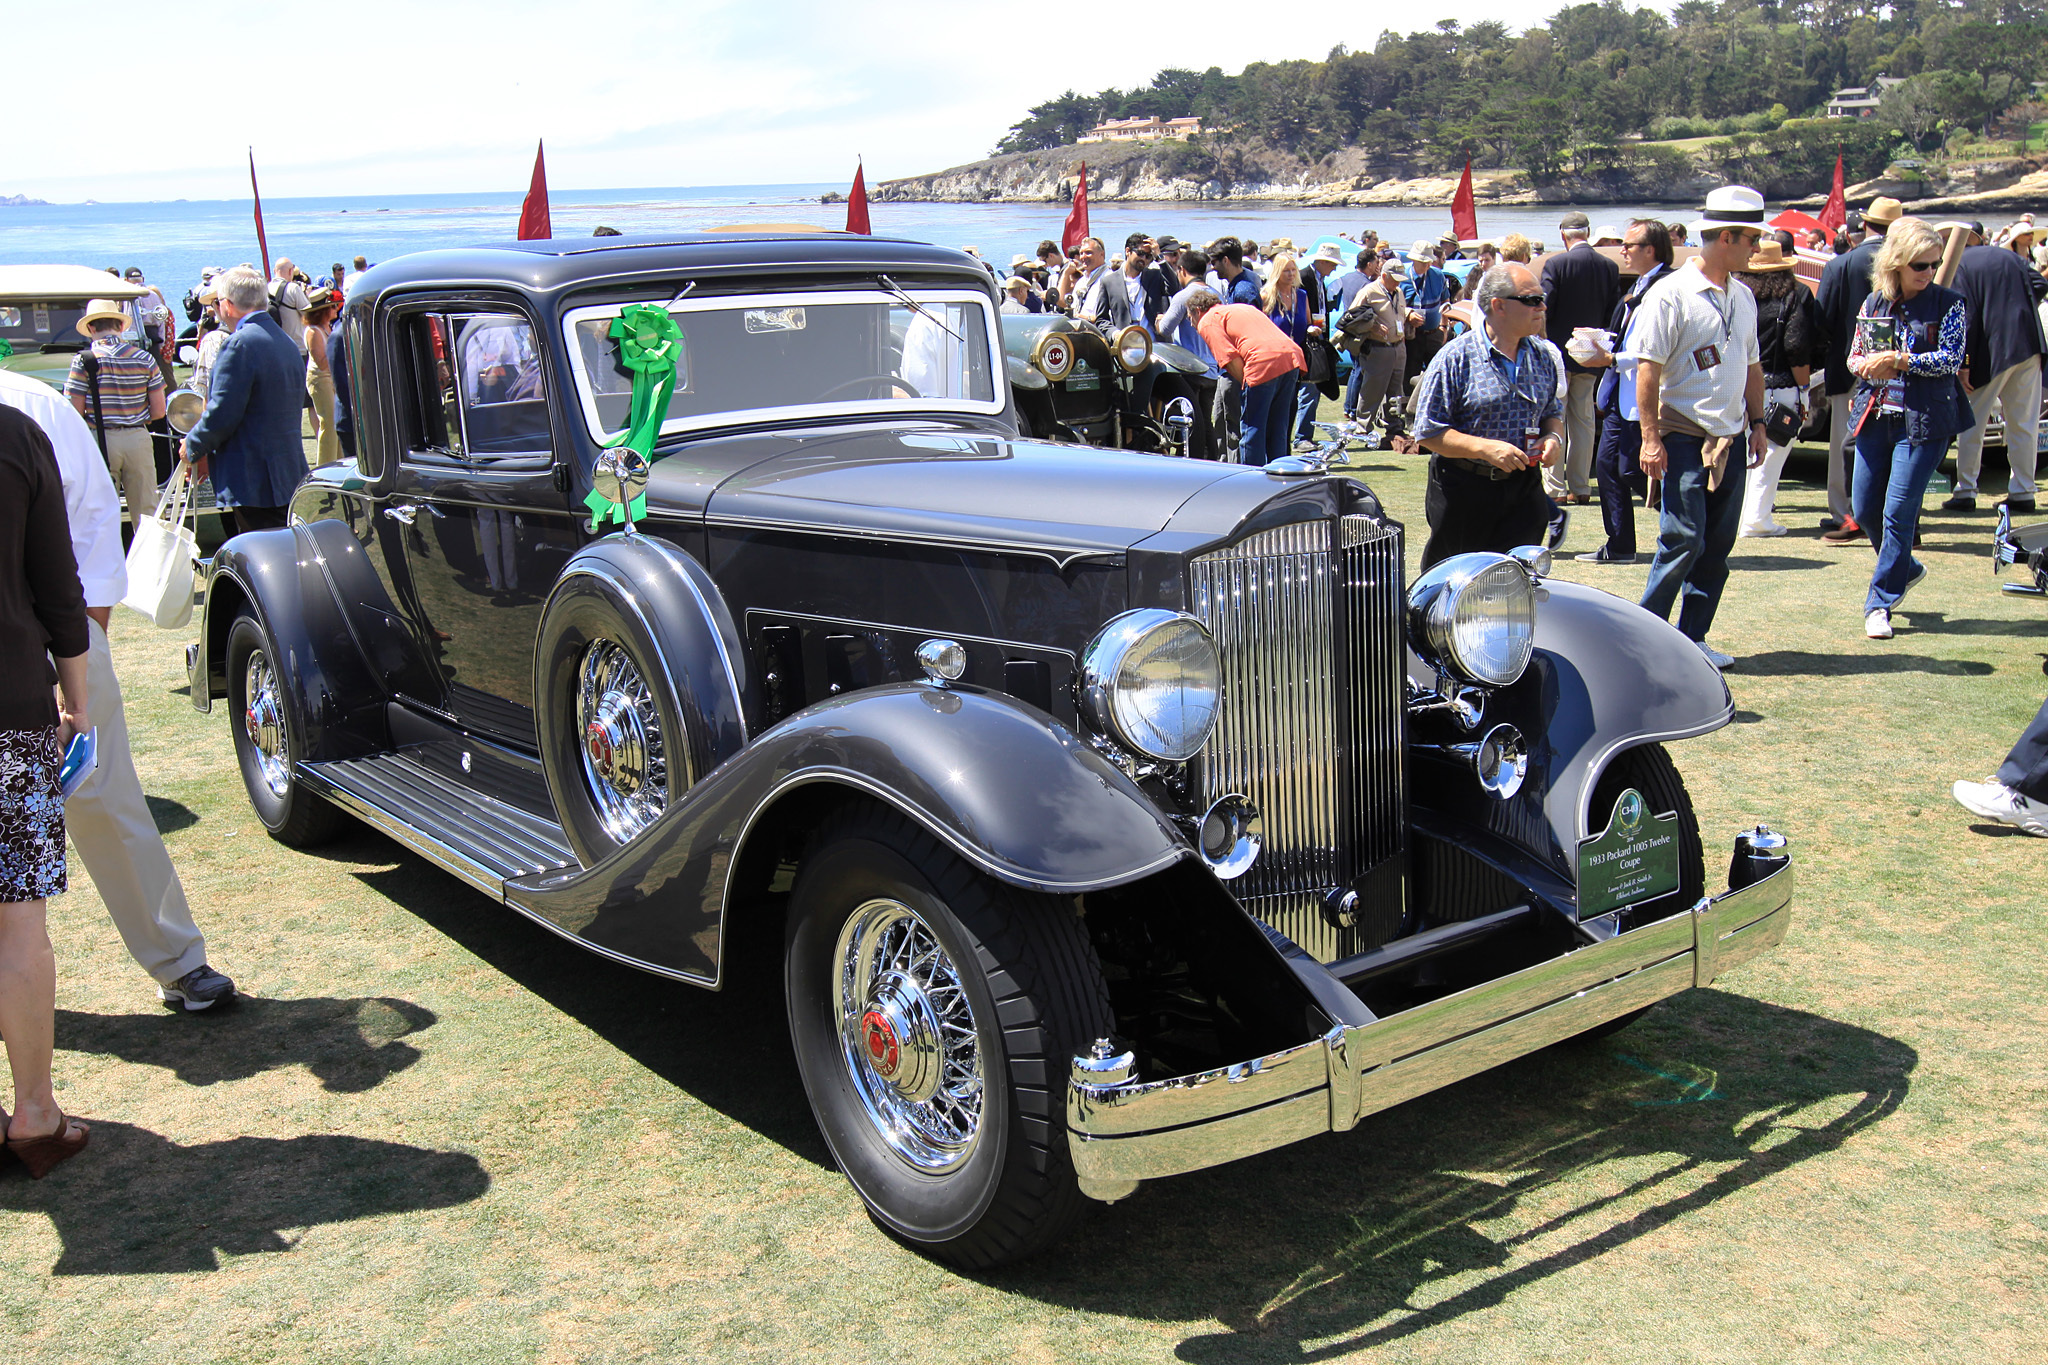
(649, 344)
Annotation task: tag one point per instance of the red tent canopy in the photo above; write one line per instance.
(1799, 222)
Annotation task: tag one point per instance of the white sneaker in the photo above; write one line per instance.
(1772, 530)
(1715, 656)
(1994, 800)
(1877, 624)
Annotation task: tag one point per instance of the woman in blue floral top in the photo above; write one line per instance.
(1909, 405)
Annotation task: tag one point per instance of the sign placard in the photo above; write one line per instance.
(1633, 860)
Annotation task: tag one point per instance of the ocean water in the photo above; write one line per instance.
(173, 241)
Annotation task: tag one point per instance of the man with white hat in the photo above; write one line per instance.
(1844, 285)
(119, 390)
(1700, 389)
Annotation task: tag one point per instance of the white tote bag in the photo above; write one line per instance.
(163, 558)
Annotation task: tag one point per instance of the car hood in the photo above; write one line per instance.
(1067, 501)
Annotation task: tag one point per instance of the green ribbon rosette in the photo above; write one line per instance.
(649, 344)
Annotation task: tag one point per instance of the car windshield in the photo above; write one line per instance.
(797, 355)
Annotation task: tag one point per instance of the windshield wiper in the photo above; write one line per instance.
(918, 308)
(681, 294)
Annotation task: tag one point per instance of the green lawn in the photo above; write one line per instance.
(436, 1133)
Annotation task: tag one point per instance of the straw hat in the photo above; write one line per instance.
(1768, 258)
(100, 310)
(1882, 212)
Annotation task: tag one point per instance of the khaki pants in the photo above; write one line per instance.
(320, 386)
(131, 459)
(1841, 451)
(109, 823)
(2017, 389)
(1574, 473)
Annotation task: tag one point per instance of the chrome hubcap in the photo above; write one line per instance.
(263, 718)
(624, 759)
(907, 1036)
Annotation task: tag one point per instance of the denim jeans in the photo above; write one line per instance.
(1891, 479)
(1268, 417)
(1307, 399)
(1694, 534)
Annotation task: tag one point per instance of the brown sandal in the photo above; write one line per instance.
(40, 1154)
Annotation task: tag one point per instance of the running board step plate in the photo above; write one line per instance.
(484, 841)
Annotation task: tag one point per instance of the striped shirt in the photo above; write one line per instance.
(127, 378)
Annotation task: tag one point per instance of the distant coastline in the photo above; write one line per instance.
(22, 201)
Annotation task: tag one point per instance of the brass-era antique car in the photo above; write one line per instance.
(1111, 816)
(1127, 391)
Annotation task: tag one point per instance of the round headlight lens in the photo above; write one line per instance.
(1134, 348)
(1152, 679)
(1054, 356)
(1475, 614)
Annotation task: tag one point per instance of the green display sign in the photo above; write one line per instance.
(1635, 859)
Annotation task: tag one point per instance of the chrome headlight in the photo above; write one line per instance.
(1133, 348)
(1475, 615)
(1152, 679)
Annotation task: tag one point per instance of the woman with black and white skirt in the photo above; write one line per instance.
(42, 617)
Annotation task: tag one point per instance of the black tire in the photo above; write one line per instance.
(292, 814)
(1648, 768)
(1036, 994)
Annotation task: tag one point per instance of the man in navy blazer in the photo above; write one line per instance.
(249, 434)
(2004, 346)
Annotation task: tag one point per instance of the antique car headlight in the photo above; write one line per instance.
(1152, 680)
(1054, 355)
(1475, 615)
(1133, 348)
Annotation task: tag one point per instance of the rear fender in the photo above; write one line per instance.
(277, 577)
(1007, 787)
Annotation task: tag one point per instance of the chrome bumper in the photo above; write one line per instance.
(1122, 1131)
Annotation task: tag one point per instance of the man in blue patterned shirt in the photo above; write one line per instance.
(1490, 417)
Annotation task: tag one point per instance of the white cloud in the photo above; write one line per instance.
(416, 96)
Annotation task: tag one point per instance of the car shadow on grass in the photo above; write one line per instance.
(136, 1203)
(350, 1045)
(1789, 663)
(1451, 1203)
(728, 1048)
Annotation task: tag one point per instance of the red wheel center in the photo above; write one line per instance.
(884, 1053)
(599, 743)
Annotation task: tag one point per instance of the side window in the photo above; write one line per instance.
(504, 399)
(433, 425)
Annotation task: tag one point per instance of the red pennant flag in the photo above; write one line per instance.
(533, 214)
(1835, 212)
(857, 203)
(262, 243)
(1077, 216)
(1464, 218)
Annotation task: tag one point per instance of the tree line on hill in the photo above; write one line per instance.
(1583, 93)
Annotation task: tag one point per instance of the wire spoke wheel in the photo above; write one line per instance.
(907, 1036)
(263, 715)
(625, 757)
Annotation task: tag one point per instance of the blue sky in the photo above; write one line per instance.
(420, 96)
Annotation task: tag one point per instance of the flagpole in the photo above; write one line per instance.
(262, 243)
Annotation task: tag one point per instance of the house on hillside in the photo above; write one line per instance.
(1142, 129)
(1860, 101)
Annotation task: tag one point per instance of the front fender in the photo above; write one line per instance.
(1606, 675)
(276, 576)
(1008, 788)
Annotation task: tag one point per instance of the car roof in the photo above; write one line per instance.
(63, 284)
(557, 263)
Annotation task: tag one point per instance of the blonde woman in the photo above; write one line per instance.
(1515, 247)
(1284, 300)
(1909, 404)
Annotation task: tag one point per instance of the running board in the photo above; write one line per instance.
(484, 841)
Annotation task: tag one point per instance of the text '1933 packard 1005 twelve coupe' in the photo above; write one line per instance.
(1112, 815)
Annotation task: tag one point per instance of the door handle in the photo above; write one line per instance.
(409, 511)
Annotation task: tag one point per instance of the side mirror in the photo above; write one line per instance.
(620, 476)
(183, 410)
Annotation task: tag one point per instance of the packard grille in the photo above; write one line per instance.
(1307, 619)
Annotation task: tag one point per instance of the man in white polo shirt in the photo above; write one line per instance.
(1700, 387)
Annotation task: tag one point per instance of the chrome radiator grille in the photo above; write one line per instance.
(1309, 629)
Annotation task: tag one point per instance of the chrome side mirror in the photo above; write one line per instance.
(620, 476)
(1179, 421)
(183, 410)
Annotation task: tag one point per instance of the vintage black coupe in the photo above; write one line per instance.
(1111, 815)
